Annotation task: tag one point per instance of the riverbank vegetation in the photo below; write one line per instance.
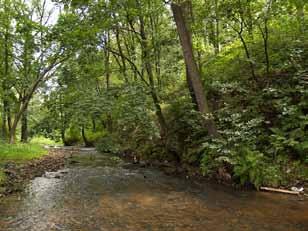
(218, 85)
(18, 154)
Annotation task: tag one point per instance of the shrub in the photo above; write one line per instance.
(107, 144)
(73, 136)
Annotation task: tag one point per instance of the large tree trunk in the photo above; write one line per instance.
(193, 72)
(6, 105)
(24, 127)
(23, 107)
(12, 135)
(191, 91)
(189, 20)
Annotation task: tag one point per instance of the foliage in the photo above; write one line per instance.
(260, 149)
(41, 140)
(107, 144)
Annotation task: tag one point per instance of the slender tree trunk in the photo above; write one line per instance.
(84, 137)
(93, 125)
(107, 74)
(267, 60)
(131, 52)
(192, 68)
(250, 20)
(24, 127)
(148, 68)
(4, 130)
(265, 36)
(159, 114)
(9, 118)
(109, 121)
(248, 56)
(217, 29)
(300, 13)
(123, 67)
(63, 137)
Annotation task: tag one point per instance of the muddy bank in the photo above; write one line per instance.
(18, 174)
(174, 168)
(222, 176)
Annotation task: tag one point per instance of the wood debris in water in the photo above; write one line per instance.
(279, 190)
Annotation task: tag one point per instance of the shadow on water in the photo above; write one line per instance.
(100, 192)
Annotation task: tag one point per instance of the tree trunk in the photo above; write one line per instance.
(109, 121)
(6, 113)
(12, 135)
(9, 119)
(93, 125)
(300, 14)
(123, 67)
(23, 107)
(251, 65)
(4, 131)
(63, 137)
(188, 21)
(24, 127)
(265, 36)
(149, 71)
(160, 116)
(192, 68)
(267, 60)
(217, 29)
(250, 20)
(84, 137)
(191, 91)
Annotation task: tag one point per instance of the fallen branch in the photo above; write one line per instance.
(279, 190)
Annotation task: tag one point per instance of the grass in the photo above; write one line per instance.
(20, 152)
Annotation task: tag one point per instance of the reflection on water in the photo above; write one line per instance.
(100, 193)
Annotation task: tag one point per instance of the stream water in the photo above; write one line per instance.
(100, 192)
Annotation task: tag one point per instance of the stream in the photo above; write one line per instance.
(101, 192)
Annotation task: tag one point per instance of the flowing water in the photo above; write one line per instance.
(100, 192)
